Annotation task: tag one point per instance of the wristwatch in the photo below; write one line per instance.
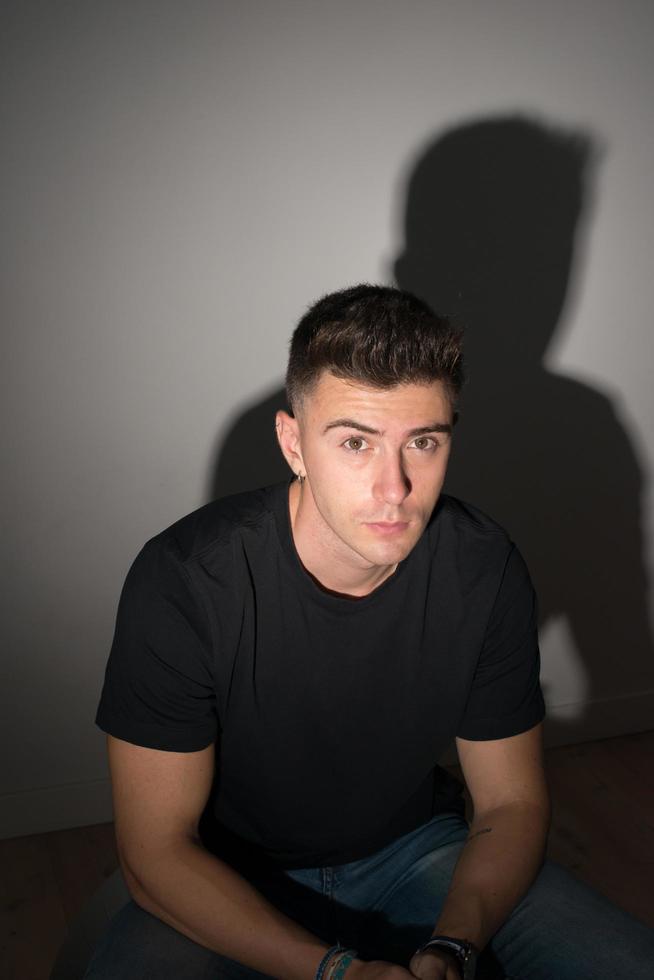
(466, 953)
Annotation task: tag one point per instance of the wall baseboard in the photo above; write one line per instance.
(39, 811)
(567, 724)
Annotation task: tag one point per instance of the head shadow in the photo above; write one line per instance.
(494, 218)
(248, 456)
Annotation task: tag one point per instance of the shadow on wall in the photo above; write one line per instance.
(492, 213)
(250, 457)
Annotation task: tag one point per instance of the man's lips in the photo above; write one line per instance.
(388, 527)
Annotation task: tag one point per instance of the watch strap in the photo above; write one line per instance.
(465, 952)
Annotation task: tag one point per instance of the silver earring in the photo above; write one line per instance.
(300, 479)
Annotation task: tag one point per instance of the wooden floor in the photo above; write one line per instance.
(603, 831)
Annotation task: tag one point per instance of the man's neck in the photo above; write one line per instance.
(329, 568)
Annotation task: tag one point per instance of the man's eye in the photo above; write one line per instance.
(425, 443)
(355, 444)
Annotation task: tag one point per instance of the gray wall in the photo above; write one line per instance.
(180, 180)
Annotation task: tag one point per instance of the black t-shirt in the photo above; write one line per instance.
(329, 713)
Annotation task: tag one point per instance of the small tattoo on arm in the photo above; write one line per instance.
(485, 830)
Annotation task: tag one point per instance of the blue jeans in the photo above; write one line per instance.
(386, 905)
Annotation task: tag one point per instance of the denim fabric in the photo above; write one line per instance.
(386, 905)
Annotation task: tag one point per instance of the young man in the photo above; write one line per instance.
(288, 666)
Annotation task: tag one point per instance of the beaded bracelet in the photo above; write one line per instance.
(320, 972)
(338, 967)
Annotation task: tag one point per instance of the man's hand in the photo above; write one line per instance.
(376, 970)
(436, 964)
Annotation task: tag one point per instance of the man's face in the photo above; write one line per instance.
(375, 461)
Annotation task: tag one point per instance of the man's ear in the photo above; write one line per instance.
(288, 436)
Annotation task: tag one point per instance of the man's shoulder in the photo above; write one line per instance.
(468, 544)
(214, 525)
(467, 521)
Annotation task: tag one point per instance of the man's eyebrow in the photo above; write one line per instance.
(360, 427)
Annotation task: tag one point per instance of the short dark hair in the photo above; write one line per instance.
(377, 336)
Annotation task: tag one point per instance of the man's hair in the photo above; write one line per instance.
(377, 336)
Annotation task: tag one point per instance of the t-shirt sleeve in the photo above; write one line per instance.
(506, 698)
(159, 688)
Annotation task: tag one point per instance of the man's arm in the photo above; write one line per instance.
(506, 844)
(158, 799)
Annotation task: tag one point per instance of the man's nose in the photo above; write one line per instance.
(392, 483)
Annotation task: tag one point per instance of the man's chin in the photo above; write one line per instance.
(390, 550)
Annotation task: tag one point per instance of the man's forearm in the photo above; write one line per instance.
(206, 900)
(500, 860)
